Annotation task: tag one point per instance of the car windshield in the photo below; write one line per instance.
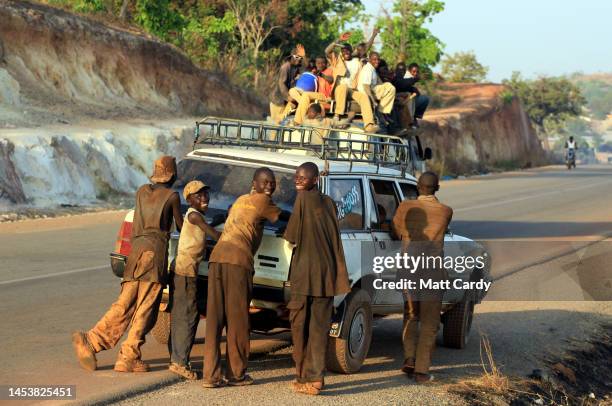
(228, 181)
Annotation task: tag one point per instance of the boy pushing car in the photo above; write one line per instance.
(191, 250)
(230, 282)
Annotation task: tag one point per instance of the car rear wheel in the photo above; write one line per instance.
(161, 330)
(347, 353)
(457, 325)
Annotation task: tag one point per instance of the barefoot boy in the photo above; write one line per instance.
(191, 250)
(230, 282)
(318, 273)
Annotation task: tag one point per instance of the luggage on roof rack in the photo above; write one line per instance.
(350, 145)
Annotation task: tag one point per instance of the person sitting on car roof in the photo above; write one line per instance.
(346, 71)
(381, 94)
(405, 81)
(312, 85)
(287, 76)
(362, 49)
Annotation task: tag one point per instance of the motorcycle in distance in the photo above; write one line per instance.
(570, 158)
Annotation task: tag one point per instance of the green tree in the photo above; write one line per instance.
(463, 67)
(404, 36)
(598, 94)
(549, 102)
(161, 18)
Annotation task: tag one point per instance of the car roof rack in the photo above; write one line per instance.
(328, 144)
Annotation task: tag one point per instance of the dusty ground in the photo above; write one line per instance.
(55, 278)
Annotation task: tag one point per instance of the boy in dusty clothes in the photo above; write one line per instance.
(144, 277)
(318, 273)
(184, 315)
(230, 282)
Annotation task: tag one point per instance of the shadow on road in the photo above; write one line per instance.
(481, 230)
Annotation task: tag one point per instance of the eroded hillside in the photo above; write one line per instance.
(481, 132)
(56, 67)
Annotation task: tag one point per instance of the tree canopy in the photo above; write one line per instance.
(404, 35)
(548, 101)
(463, 67)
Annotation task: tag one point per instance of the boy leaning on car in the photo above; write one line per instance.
(318, 273)
(184, 315)
(230, 282)
(143, 279)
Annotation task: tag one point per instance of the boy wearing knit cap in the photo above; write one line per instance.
(144, 277)
(184, 315)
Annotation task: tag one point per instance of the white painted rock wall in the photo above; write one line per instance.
(85, 165)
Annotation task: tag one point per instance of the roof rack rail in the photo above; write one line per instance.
(352, 146)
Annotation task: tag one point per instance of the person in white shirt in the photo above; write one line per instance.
(382, 94)
(346, 72)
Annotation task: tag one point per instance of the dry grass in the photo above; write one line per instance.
(491, 381)
(583, 371)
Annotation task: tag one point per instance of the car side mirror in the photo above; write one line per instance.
(428, 154)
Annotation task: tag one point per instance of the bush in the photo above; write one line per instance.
(506, 97)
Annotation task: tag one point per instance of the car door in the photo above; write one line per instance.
(348, 193)
(385, 199)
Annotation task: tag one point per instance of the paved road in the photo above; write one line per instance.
(54, 279)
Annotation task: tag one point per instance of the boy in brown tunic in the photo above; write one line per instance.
(184, 315)
(425, 221)
(318, 273)
(230, 282)
(143, 279)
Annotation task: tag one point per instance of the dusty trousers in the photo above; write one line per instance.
(184, 318)
(138, 304)
(229, 296)
(419, 341)
(310, 318)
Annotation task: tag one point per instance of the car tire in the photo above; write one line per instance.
(161, 330)
(346, 354)
(457, 325)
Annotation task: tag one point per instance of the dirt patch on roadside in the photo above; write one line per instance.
(580, 376)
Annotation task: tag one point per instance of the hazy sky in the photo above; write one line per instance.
(551, 37)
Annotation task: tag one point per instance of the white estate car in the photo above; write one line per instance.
(367, 175)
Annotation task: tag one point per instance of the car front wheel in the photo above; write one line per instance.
(346, 354)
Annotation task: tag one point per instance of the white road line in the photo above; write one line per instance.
(519, 199)
(51, 275)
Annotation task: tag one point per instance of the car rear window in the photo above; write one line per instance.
(229, 181)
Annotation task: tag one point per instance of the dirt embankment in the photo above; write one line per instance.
(57, 67)
(481, 132)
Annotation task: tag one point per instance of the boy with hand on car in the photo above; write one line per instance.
(145, 275)
(318, 273)
(230, 282)
(184, 315)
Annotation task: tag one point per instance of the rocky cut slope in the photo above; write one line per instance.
(481, 132)
(55, 66)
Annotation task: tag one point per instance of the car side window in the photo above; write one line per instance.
(409, 191)
(386, 201)
(347, 194)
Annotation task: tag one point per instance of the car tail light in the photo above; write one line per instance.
(123, 245)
